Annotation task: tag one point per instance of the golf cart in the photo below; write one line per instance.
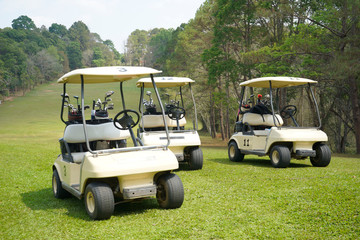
(152, 130)
(96, 165)
(265, 128)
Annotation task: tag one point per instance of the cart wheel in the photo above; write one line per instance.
(234, 153)
(58, 190)
(170, 191)
(323, 156)
(99, 201)
(280, 156)
(196, 159)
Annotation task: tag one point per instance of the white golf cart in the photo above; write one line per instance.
(96, 165)
(260, 130)
(184, 143)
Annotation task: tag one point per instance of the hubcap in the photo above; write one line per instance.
(90, 202)
(275, 157)
(54, 185)
(161, 193)
(232, 151)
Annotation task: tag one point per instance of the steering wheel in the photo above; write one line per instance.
(288, 111)
(176, 113)
(126, 122)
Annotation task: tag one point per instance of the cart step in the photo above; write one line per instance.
(254, 152)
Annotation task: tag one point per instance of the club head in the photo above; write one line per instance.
(66, 95)
(109, 93)
(110, 107)
(76, 97)
(108, 99)
(148, 93)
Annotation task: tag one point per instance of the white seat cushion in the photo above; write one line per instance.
(78, 157)
(74, 133)
(255, 119)
(153, 121)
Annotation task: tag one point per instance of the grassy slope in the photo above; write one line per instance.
(224, 200)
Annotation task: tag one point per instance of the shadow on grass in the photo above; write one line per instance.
(44, 200)
(265, 163)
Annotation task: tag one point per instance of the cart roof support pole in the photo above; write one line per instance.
(83, 116)
(316, 105)
(193, 99)
(162, 110)
(62, 103)
(272, 105)
(141, 106)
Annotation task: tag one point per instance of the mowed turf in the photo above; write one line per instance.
(224, 200)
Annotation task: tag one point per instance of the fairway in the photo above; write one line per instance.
(224, 200)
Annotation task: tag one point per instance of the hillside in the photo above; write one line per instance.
(37, 114)
(30, 56)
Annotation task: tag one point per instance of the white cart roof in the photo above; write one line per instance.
(276, 82)
(162, 82)
(106, 74)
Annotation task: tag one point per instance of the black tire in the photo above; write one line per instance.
(234, 152)
(196, 159)
(280, 156)
(58, 190)
(170, 191)
(323, 156)
(99, 201)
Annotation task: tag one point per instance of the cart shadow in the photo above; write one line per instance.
(265, 163)
(44, 200)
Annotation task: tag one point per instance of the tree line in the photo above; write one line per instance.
(230, 41)
(30, 55)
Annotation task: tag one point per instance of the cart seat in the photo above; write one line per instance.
(105, 131)
(255, 119)
(154, 121)
(78, 157)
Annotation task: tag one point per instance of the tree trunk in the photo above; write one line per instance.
(228, 134)
(222, 122)
(354, 96)
(212, 116)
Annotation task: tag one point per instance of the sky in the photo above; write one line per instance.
(111, 19)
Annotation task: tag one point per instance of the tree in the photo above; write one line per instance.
(23, 22)
(79, 32)
(184, 51)
(234, 21)
(136, 47)
(58, 29)
(340, 19)
(74, 54)
(157, 53)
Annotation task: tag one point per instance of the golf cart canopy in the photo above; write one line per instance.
(106, 74)
(276, 82)
(162, 82)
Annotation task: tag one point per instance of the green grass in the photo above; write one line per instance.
(224, 200)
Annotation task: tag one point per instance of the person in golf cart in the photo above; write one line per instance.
(184, 143)
(271, 133)
(111, 175)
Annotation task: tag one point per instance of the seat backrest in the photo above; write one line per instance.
(74, 133)
(255, 119)
(154, 121)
